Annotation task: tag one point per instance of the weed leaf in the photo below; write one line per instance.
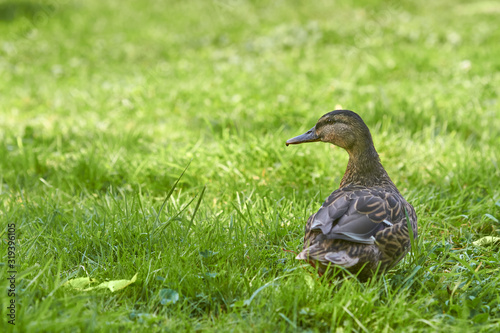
(168, 296)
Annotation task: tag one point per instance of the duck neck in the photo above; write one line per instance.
(364, 168)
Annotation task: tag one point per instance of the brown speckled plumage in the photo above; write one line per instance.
(362, 226)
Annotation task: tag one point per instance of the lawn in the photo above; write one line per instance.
(105, 104)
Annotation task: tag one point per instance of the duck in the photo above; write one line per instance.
(365, 226)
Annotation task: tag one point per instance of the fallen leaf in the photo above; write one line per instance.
(487, 241)
(79, 283)
(115, 285)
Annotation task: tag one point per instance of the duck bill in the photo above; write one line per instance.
(309, 136)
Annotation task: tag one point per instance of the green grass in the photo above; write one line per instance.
(103, 104)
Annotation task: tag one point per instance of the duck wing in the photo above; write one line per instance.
(355, 214)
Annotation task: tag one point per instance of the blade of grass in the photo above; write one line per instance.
(170, 193)
(195, 210)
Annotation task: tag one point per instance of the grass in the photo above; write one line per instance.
(104, 104)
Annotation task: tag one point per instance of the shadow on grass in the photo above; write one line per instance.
(13, 10)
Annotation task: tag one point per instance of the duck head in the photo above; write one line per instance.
(342, 128)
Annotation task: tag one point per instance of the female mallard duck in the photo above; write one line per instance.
(361, 226)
